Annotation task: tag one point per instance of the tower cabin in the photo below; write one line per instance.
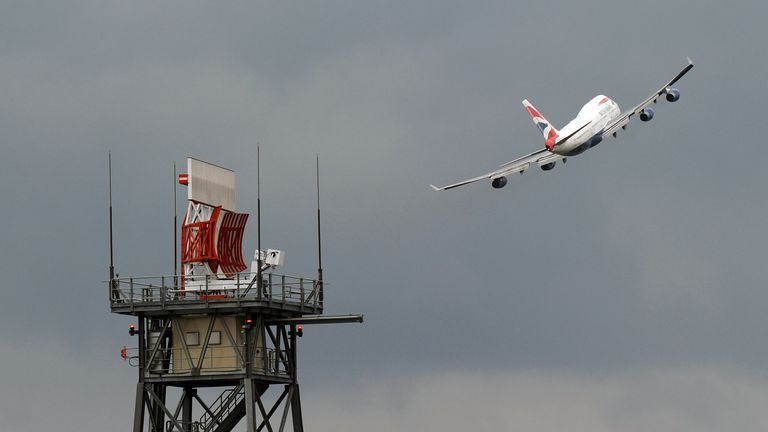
(219, 323)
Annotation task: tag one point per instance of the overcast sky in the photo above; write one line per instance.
(624, 291)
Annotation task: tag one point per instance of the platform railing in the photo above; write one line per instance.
(217, 360)
(277, 362)
(185, 361)
(174, 289)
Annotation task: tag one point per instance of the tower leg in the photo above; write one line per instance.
(157, 415)
(138, 411)
(250, 406)
(186, 409)
(298, 423)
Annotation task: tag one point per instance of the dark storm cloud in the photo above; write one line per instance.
(641, 254)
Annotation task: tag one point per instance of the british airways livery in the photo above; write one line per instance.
(597, 119)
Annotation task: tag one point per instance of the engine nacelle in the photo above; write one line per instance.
(673, 95)
(548, 166)
(646, 114)
(499, 182)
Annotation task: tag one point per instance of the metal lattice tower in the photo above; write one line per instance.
(216, 326)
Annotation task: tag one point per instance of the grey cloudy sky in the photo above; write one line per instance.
(624, 291)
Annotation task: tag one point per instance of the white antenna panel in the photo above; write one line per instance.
(211, 184)
(269, 258)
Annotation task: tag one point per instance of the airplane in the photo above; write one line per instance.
(597, 119)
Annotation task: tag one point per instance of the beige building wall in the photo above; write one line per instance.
(219, 357)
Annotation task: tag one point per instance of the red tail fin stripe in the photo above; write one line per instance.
(551, 140)
(533, 112)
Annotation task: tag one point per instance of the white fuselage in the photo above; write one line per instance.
(580, 133)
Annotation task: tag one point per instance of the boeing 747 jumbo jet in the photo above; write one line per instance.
(599, 118)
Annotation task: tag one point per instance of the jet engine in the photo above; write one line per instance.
(646, 114)
(499, 182)
(673, 95)
(548, 166)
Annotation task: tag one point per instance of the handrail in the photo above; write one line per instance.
(133, 291)
(222, 360)
(180, 276)
(222, 406)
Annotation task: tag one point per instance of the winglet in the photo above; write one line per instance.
(690, 62)
(436, 188)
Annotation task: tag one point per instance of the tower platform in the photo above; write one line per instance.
(278, 295)
(236, 334)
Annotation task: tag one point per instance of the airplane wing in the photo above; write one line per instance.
(624, 118)
(519, 165)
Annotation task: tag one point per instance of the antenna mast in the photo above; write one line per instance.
(175, 232)
(258, 220)
(111, 244)
(319, 243)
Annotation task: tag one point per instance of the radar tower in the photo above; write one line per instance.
(219, 324)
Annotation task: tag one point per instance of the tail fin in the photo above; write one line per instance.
(546, 128)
